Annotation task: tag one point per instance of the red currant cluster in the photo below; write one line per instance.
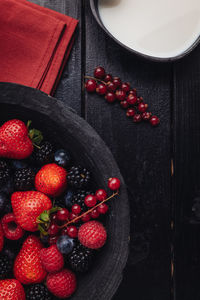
(62, 221)
(112, 88)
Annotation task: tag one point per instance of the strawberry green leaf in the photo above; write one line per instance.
(44, 216)
(41, 229)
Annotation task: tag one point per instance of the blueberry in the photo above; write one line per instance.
(65, 244)
(62, 158)
(19, 164)
(3, 201)
(68, 198)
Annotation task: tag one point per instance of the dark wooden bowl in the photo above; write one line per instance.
(65, 127)
(95, 12)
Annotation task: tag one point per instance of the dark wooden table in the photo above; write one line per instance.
(161, 166)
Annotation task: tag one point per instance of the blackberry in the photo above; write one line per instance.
(4, 172)
(59, 202)
(78, 177)
(5, 266)
(44, 155)
(24, 179)
(38, 292)
(78, 198)
(80, 258)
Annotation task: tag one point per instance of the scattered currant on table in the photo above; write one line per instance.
(112, 88)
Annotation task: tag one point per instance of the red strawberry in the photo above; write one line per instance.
(11, 230)
(27, 267)
(1, 238)
(61, 284)
(14, 140)
(11, 289)
(51, 180)
(52, 260)
(92, 235)
(27, 206)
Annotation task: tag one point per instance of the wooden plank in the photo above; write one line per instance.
(143, 155)
(69, 88)
(187, 174)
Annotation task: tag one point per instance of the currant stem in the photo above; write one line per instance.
(96, 79)
(90, 210)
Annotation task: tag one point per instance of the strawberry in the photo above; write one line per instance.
(52, 260)
(27, 206)
(51, 180)
(27, 266)
(14, 140)
(11, 289)
(92, 235)
(61, 284)
(1, 238)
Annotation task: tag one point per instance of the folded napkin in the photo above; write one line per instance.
(35, 43)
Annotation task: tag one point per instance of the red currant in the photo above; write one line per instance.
(154, 121)
(108, 78)
(85, 218)
(99, 73)
(76, 209)
(101, 89)
(101, 195)
(131, 99)
(63, 214)
(142, 107)
(146, 115)
(91, 85)
(94, 214)
(103, 208)
(110, 97)
(53, 229)
(114, 183)
(124, 104)
(90, 200)
(120, 95)
(64, 231)
(130, 112)
(137, 118)
(53, 240)
(72, 231)
(139, 100)
(133, 92)
(111, 87)
(54, 218)
(72, 216)
(125, 87)
(117, 81)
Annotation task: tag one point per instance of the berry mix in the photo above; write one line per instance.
(113, 89)
(51, 224)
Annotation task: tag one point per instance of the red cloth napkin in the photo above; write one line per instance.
(35, 43)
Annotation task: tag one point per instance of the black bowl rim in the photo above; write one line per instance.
(43, 103)
(95, 13)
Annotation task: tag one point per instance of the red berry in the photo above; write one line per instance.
(51, 259)
(142, 107)
(125, 87)
(85, 218)
(54, 218)
(90, 200)
(101, 89)
(108, 78)
(63, 214)
(130, 112)
(11, 229)
(131, 99)
(146, 115)
(154, 121)
(94, 214)
(137, 118)
(111, 87)
(124, 104)
(117, 81)
(91, 85)
(120, 95)
(101, 195)
(53, 229)
(73, 216)
(92, 235)
(133, 92)
(99, 73)
(110, 97)
(103, 208)
(76, 209)
(139, 100)
(72, 231)
(53, 240)
(114, 183)
(64, 231)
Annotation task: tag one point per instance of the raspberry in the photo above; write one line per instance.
(92, 235)
(11, 229)
(52, 260)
